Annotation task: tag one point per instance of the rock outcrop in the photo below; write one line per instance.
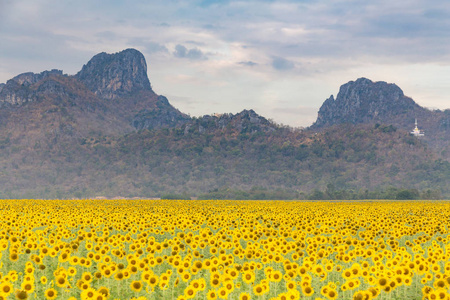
(114, 75)
(18, 90)
(364, 101)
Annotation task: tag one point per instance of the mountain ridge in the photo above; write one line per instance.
(104, 131)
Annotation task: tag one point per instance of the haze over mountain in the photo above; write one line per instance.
(104, 131)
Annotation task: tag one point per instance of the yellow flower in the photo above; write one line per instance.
(6, 288)
(136, 286)
(61, 281)
(211, 295)
(244, 296)
(21, 295)
(222, 293)
(51, 294)
(258, 290)
(189, 292)
(248, 277)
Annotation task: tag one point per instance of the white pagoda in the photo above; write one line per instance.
(416, 131)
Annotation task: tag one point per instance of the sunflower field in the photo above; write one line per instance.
(167, 249)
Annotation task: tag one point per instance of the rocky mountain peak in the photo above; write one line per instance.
(114, 75)
(365, 101)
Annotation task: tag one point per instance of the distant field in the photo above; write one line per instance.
(167, 249)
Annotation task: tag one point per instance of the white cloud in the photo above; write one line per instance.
(282, 64)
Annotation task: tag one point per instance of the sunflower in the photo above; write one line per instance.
(258, 290)
(74, 260)
(72, 271)
(136, 285)
(283, 296)
(51, 294)
(276, 276)
(104, 291)
(248, 277)
(195, 284)
(211, 295)
(374, 292)
(14, 256)
(439, 283)
(153, 280)
(107, 272)
(186, 276)
(6, 288)
(98, 275)
(223, 293)
(244, 296)
(86, 277)
(347, 274)
(215, 282)
(324, 290)
(61, 281)
(119, 276)
(290, 285)
(302, 270)
(21, 295)
(332, 294)
(359, 296)
(189, 292)
(27, 286)
(88, 293)
(229, 285)
(382, 282)
(308, 290)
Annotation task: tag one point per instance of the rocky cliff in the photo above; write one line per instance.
(113, 75)
(363, 101)
(19, 90)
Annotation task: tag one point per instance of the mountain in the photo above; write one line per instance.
(364, 101)
(105, 132)
(110, 95)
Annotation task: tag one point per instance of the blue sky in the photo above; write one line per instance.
(281, 58)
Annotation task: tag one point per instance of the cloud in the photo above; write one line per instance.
(193, 54)
(180, 51)
(282, 64)
(248, 63)
(249, 49)
(108, 34)
(153, 47)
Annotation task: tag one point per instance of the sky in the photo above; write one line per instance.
(281, 58)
